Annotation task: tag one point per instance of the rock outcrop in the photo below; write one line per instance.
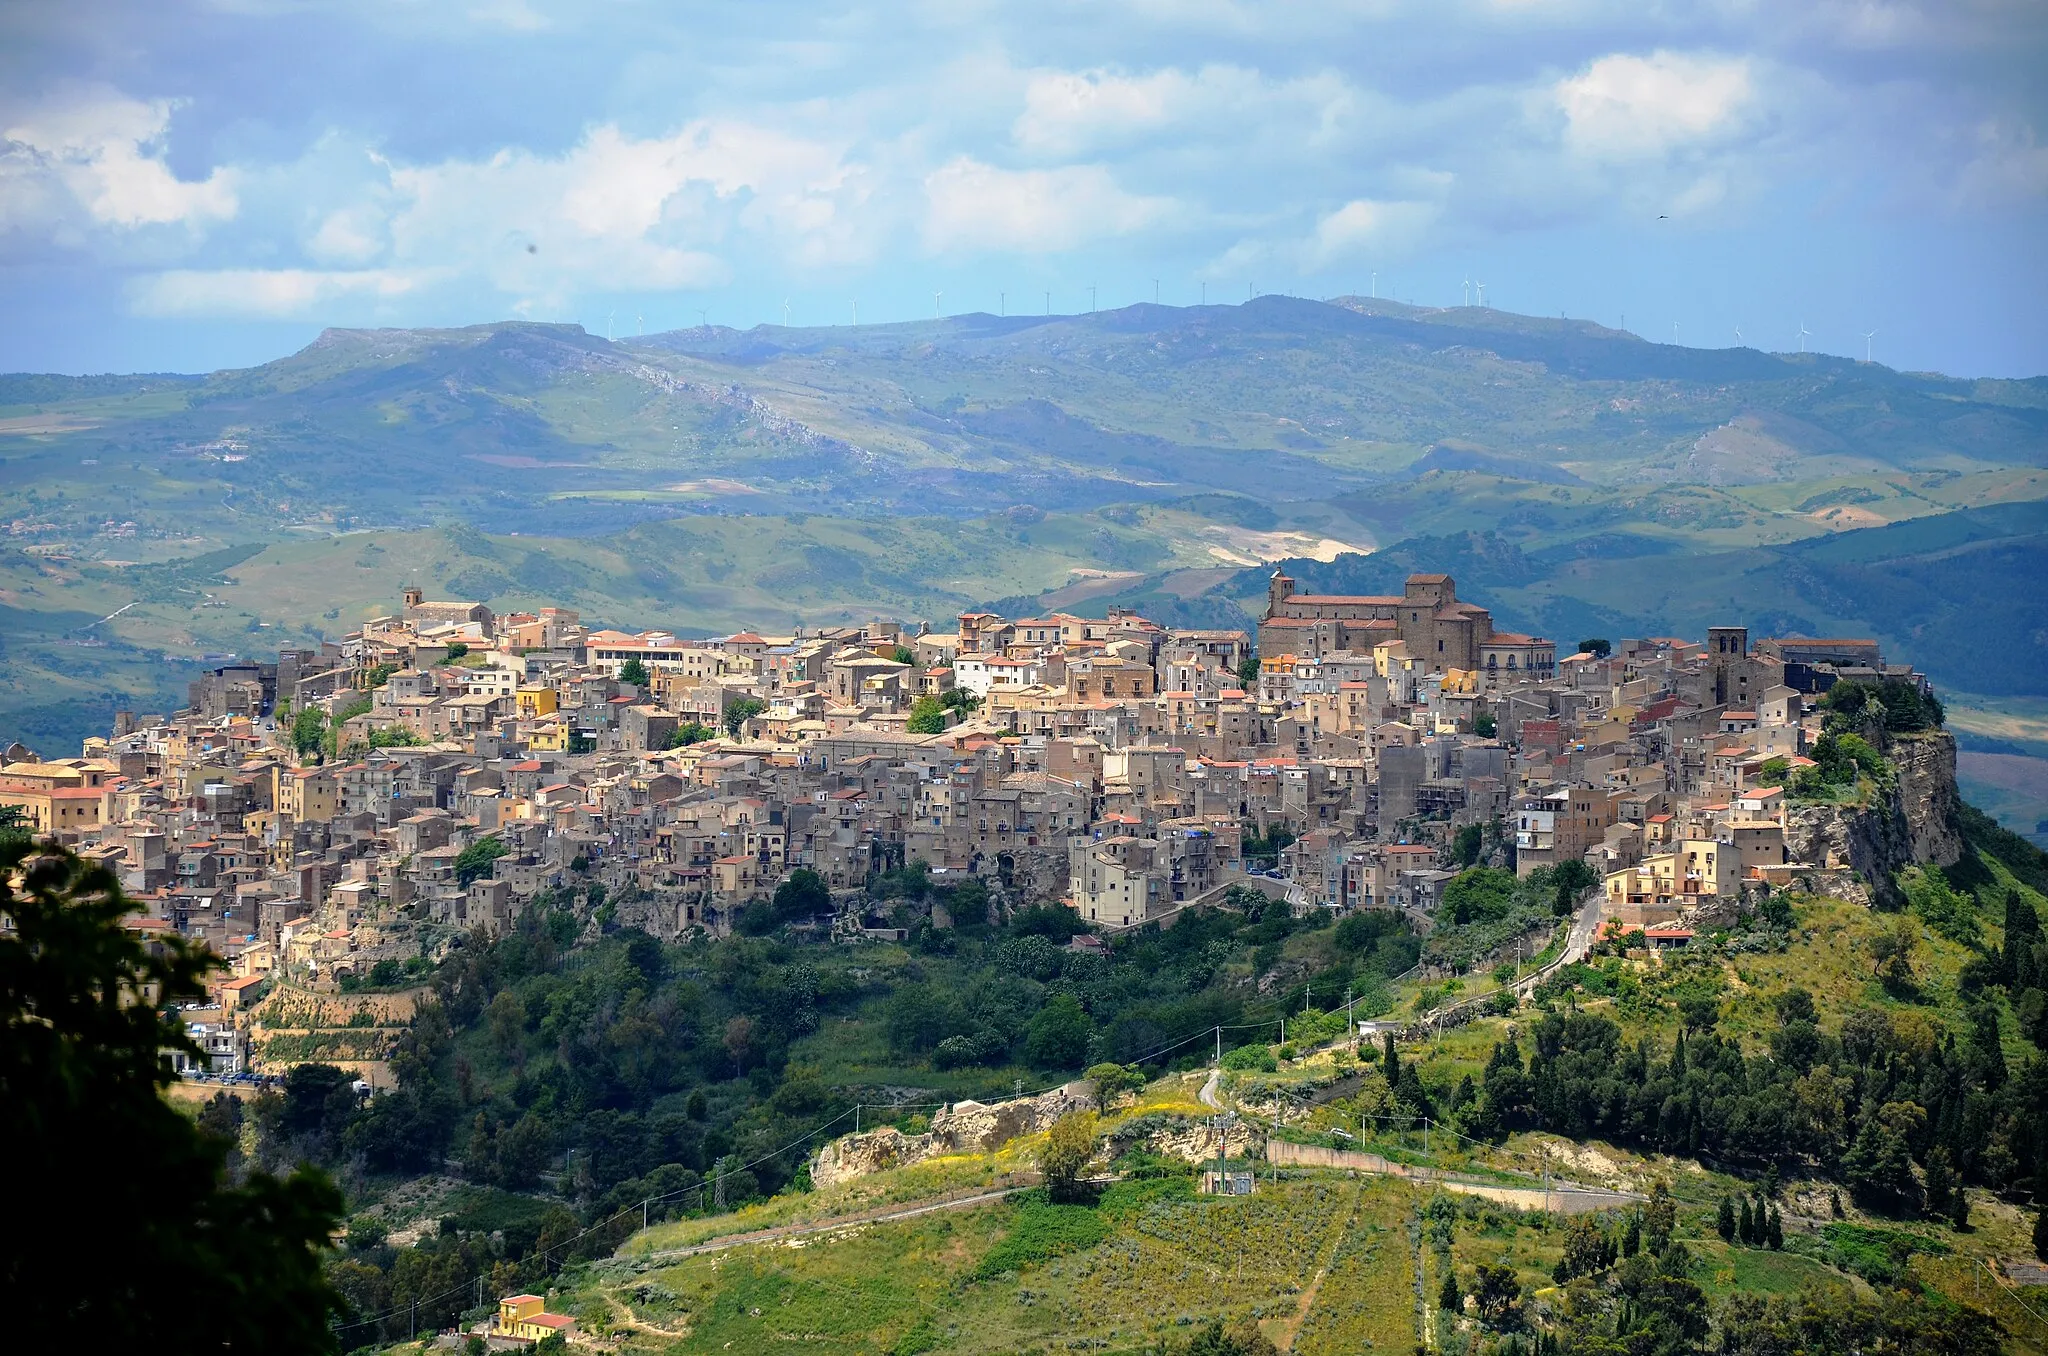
(962, 1128)
(1859, 850)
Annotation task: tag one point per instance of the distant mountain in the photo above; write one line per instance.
(1281, 399)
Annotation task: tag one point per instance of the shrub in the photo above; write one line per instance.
(1251, 1059)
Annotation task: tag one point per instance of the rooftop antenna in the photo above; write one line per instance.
(1803, 333)
(1866, 344)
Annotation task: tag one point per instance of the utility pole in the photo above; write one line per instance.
(1219, 1046)
(856, 1118)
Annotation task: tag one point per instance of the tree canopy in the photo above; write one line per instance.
(150, 1249)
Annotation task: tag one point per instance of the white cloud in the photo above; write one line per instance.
(352, 235)
(1070, 113)
(1624, 107)
(2010, 166)
(978, 207)
(259, 293)
(106, 153)
(1364, 227)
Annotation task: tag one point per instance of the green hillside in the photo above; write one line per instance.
(1849, 1075)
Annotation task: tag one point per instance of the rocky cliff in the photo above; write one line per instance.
(1861, 849)
(962, 1128)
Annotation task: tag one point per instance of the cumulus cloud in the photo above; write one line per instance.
(266, 294)
(105, 153)
(1363, 227)
(2009, 166)
(1070, 113)
(978, 207)
(1625, 107)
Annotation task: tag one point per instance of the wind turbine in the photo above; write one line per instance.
(1048, 303)
(608, 325)
(1091, 298)
(856, 315)
(1205, 294)
(1155, 291)
(639, 324)
(1002, 303)
(1738, 335)
(1480, 288)
(1803, 333)
(935, 304)
(1467, 293)
(703, 321)
(1866, 344)
(1375, 284)
(785, 313)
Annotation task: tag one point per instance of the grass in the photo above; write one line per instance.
(935, 1177)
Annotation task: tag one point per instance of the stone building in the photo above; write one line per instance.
(1436, 629)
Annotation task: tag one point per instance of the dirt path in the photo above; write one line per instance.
(624, 1317)
(879, 1215)
(1425, 1331)
(1286, 1330)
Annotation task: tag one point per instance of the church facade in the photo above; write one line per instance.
(1425, 618)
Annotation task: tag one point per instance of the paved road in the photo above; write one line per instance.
(1207, 1096)
(881, 1216)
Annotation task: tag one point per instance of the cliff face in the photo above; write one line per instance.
(1928, 797)
(1862, 849)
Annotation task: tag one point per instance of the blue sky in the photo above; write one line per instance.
(186, 186)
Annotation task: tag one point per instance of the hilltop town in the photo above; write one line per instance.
(340, 817)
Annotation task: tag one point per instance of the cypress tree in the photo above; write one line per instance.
(1774, 1230)
(1447, 1296)
(1724, 1222)
(1746, 1230)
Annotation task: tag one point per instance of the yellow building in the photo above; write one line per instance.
(58, 809)
(535, 702)
(308, 793)
(525, 1317)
